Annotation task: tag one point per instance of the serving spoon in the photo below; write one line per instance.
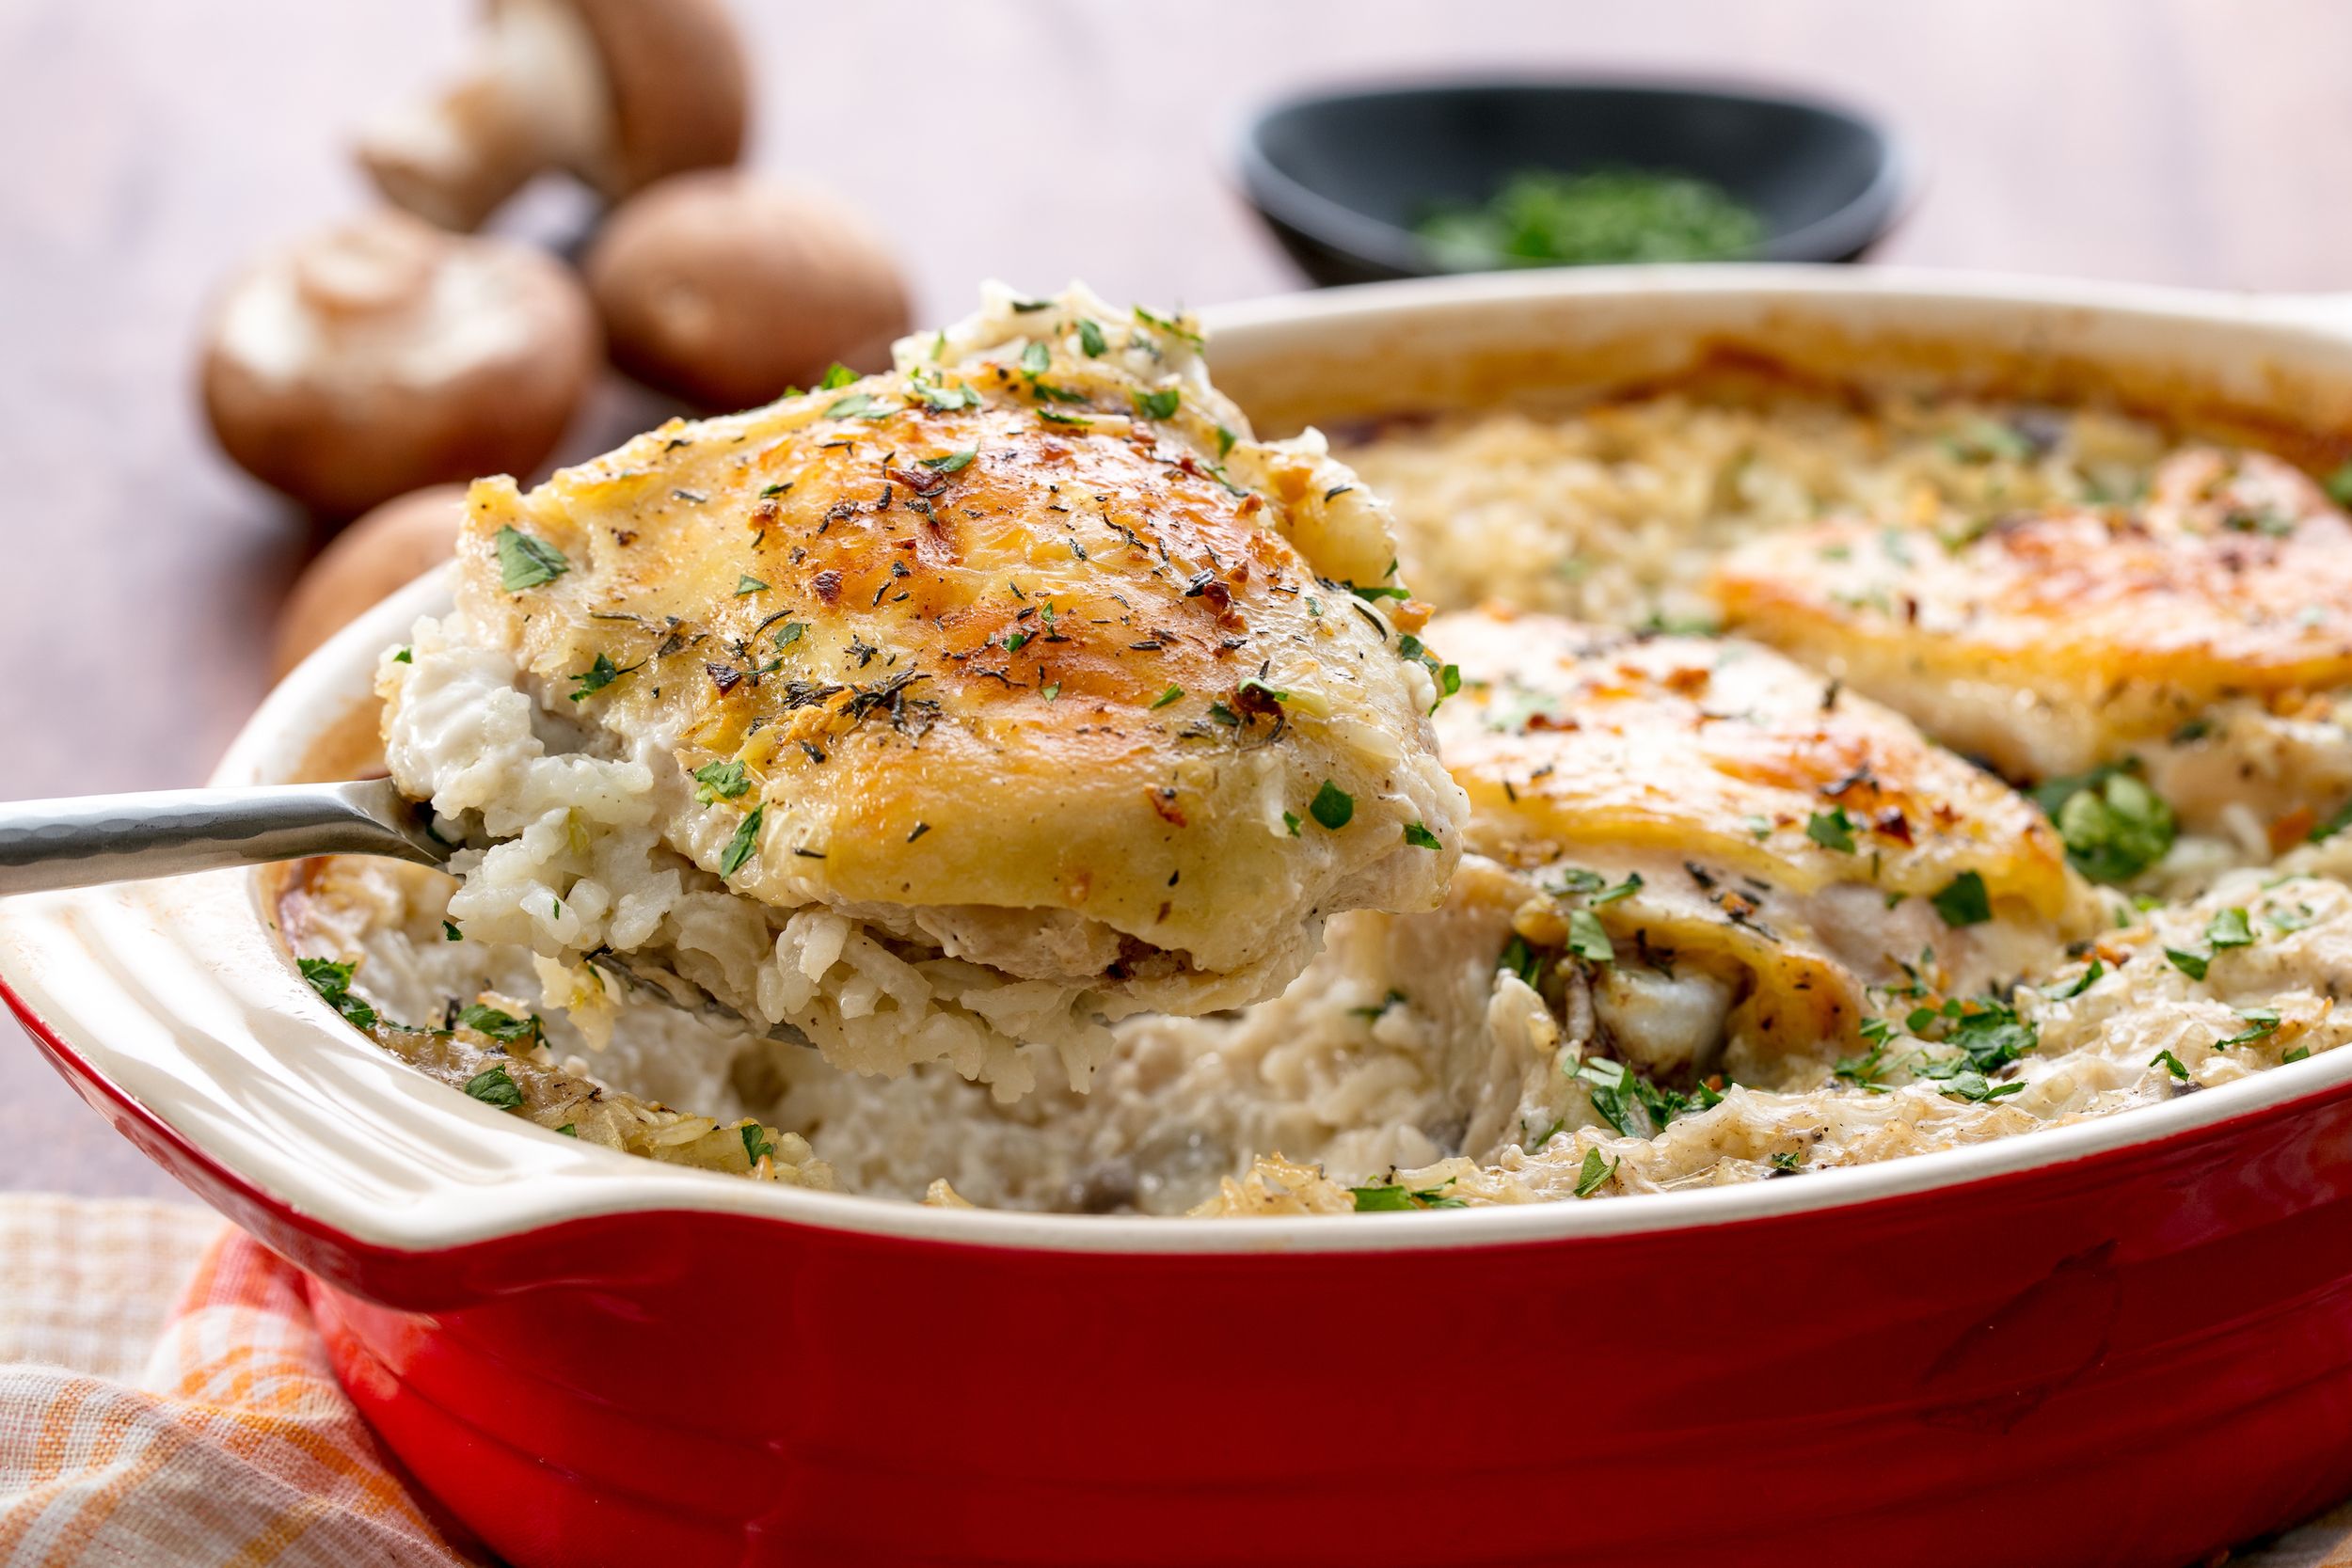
(83, 840)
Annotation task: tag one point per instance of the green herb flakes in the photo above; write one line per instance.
(951, 463)
(526, 560)
(1090, 342)
(1332, 806)
(503, 1027)
(449, 931)
(2191, 964)
(332, 981)
(1290, 821)
(837, 375)
(494, 1088)
(721, 781)
(1420, 837)
(598, 675)
(1156, 406)
(2115, 827)
(1594, 1173)
(1172, 694)
(756, 1144)
(744, 845)
(1832, 830)
(406, 655)
(2170, 1064)
(2229, 928)
(1587, 940)
(746, 583)
(1963, 901)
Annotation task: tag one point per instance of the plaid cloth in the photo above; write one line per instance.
(165, 1402)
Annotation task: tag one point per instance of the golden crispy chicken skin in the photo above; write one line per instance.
(2201, 635)
(1027, 648)
(1745, 846)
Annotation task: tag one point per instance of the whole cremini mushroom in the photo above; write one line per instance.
(727, 289)
(385, 355)
(619, 92)
(390, 548)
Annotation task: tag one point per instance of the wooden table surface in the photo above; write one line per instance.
(157, 142)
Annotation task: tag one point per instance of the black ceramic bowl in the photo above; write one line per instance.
(1341, 178)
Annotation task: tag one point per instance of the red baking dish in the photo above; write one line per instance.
(2126, 1341)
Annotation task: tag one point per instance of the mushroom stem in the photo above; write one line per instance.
(535, 96)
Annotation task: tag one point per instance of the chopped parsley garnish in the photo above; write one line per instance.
(857, 406)
(1225, 439)
(2191, 964)
(1055, 416)
(946, 400)
(721, 781)
(332, 981)
(1225, 716)
(790, 632)
(1251, 688)
(770, 492)
(603, 673)
(2258, 1022)
(1376, 594)
(1157, 405)
(746, 583)
(449, 931)
(503, 1027)
(2080, 982)
(1169, 325)
(1332, 806)
(1050, 691)
(406, 655)
(2170, 1064)
(743, 844)
(1593, 1173)
(755, 1145)
(494, 1088)
(1832, 830)
(837, 375)
(1420, 837)
(2115, 827)
(1389, 1199)
(1963, 901)
(569, 1130)
(2228, 928)
(526, 560)
(2339, 485)
(1014, 640)
(2297, 1053)
(1172, 694)
(2336, 822)
(1036, 358)
(1091, 338)
(1290, 820)
(1587, 940)
(949, 463)
(1867, 1070)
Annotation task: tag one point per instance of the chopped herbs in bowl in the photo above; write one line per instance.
(1542, 218)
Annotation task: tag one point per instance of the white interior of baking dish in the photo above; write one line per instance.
(179, 994)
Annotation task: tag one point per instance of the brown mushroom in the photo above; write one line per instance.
(388, 548)
(619, 92)
(384, 355)
(727, 289)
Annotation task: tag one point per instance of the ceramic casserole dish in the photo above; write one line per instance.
(2124, 1341)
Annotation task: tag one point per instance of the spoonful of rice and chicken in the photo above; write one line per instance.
(937, 716)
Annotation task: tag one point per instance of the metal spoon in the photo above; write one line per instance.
(81, 842)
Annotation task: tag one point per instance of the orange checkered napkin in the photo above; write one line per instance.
(165, 1401)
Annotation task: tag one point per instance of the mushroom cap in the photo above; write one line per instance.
(383, 551)
(384, 355)
(681, 92)
(727, 289)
